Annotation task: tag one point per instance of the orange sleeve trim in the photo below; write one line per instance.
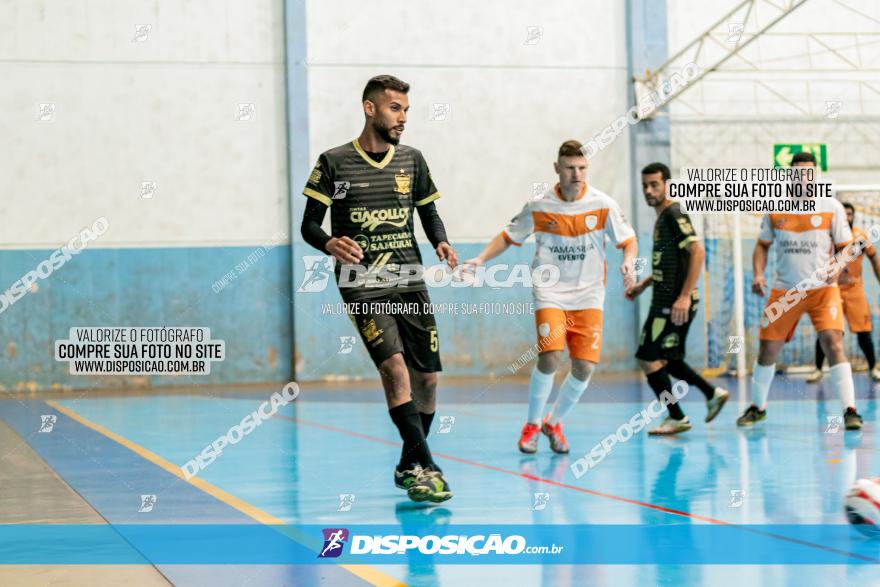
(509, 240)
(626, 242)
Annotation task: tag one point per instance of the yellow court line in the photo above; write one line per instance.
(366, 572)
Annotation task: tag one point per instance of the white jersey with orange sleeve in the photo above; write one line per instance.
(805, 242)
(571, 236)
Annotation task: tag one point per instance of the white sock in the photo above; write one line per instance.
(570, 392)
(842, 381)
(540, 386)
(762, 377)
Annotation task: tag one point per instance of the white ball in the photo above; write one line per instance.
(862, 506)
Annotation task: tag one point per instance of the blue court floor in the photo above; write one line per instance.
(326, 460)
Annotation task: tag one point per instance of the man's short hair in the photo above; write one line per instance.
(849, 207)
(803, 157)
(657, 168)
(380, 83)
(571, 148)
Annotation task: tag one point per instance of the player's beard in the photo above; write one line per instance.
(385, 133)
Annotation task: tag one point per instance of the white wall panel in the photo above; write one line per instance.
(163, 109)
(510, 104)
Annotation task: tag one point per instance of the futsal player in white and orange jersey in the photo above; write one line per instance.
(855, 303)
(805, 242)
(570, 223)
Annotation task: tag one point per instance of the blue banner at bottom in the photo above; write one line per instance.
(448, 544)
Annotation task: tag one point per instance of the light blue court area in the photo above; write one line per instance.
(719, 506)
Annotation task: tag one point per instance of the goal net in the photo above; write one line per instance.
(718, 285)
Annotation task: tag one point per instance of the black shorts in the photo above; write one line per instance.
(399, 322)
(661, 339)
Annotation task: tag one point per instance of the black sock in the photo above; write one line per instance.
(867, 346)
(409, 424)
(426, 422)
(681, 370)
(820, 355)
(660, 382)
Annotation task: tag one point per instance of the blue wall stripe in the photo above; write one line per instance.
(150, 287)
(471, 345)
(296, 53)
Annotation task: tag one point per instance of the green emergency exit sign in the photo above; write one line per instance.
(782, 154)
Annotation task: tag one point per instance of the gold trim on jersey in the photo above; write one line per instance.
(688, 241)
(657, 327)
(402, 183)
(318, 196)
(380, 261)
(381, 164)
(428, 200)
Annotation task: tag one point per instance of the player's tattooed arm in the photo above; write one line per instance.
(681, 307)
(759, 264)
(630, 251)
(637, 290)
(766, 236)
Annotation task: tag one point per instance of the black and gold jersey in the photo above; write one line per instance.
(673, 232)
(373, 203)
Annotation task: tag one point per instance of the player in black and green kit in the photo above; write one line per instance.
(373, 185)
(677, 259)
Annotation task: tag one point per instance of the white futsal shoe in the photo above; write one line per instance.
(671, 426)
(714, 405)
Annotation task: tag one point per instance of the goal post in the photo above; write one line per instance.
(732, 310)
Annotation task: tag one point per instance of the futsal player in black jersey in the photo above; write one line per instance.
(372, 185)
(677, 260)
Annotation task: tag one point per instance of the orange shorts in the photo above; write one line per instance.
(855, 308)
(581, 329)
(782, 313)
